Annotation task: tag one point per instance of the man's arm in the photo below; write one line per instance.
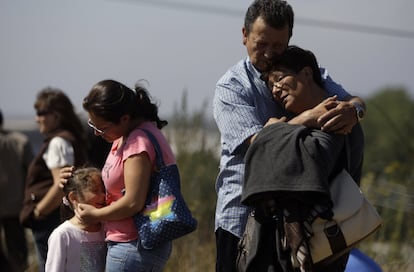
(308, 118)
(342, 118)
(330, 115)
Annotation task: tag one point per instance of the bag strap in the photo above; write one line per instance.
(158, 153)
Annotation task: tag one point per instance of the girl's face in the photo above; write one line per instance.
(95, 194)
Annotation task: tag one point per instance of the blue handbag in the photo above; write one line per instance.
(165, 216)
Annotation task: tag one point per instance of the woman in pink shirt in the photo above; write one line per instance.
(118, 114)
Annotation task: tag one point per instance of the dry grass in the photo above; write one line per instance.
(191, 255)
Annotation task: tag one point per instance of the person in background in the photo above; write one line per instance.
(98, 150)
(242, 105)
(119, 114)
(65, 144)
(307, 159)
(74, 245)
(15, 156)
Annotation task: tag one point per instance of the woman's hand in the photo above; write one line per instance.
(274, 120)
(64, 175)
(311, 118)
(86, 213)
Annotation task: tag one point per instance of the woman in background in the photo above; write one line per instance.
(65, 144)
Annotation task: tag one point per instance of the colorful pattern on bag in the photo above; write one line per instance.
(166, 216)
(160, 209)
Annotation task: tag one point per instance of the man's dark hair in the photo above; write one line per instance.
(275, 13)
(1, 118)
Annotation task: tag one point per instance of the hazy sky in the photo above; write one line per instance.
(74, 44)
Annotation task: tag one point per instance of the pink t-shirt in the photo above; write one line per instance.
(113, 174)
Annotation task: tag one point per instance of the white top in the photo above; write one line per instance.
(74, 250)
(59, 153)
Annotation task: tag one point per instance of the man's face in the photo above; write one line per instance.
(264, 42)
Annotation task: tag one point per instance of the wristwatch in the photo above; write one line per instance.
(360, 111)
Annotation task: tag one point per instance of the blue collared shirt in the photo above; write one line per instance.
(242, 105)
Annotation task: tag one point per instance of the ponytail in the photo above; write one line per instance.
(111, 99)
(146, 108)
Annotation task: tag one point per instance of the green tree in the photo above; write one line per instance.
(388, 173)
(388, 130)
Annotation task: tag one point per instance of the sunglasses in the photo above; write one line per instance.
(42, 112)
(99, 131)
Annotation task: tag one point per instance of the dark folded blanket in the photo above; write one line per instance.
(291, 160)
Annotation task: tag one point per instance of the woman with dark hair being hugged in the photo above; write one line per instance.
(118, 114)
(65, 144)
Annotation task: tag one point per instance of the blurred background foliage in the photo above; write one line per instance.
(388, 176)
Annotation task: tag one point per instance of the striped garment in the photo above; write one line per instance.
(242, 105)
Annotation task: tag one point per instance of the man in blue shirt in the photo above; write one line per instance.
(243, 105)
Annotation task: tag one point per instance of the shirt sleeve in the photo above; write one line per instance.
(59, 153)
(138, 142)
(235, 114)
(57, 252)
(332, 87)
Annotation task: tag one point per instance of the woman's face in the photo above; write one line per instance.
(107, 130)
(290, 89)
(47, 120)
